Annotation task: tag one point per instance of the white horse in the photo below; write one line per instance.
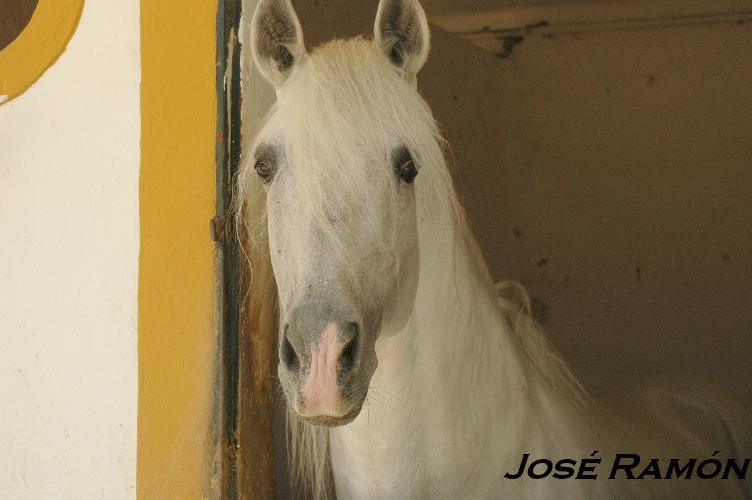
(406, 375)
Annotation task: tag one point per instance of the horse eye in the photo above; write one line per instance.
(406, 167)
(264, 170)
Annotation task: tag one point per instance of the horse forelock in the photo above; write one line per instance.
(339, 118)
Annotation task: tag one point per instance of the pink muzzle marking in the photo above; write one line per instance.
(320, 393)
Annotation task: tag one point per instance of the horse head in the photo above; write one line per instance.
(339, 155)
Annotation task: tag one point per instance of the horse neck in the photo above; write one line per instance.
(456, 381)
(476, 367)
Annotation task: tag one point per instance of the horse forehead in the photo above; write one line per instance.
(354, 81)
(339, 152)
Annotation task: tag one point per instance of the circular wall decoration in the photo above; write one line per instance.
(32, 37)
(16, 15)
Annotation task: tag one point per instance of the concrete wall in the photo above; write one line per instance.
(611, 173)
(69, 161)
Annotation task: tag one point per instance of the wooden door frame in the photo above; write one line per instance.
(247, 296)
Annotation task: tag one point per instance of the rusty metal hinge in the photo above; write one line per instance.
(217, 226)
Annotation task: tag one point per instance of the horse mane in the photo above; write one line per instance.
(351, 79)
(514, 301)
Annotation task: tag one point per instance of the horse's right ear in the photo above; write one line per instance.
(276, 40)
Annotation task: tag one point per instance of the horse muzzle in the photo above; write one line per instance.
(322, 371)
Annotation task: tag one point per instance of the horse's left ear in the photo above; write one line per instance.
(276, 40)
(402, 34)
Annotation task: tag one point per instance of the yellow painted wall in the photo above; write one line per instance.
(176, 276)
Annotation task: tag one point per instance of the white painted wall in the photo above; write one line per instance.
(69, 235)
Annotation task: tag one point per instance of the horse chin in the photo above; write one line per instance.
(330, 421)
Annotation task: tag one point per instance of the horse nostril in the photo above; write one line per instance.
(349, 355)
(289, 357)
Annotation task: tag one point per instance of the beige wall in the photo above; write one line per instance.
(584, 158)
(69, 166)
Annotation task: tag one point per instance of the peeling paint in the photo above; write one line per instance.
(508, 43)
